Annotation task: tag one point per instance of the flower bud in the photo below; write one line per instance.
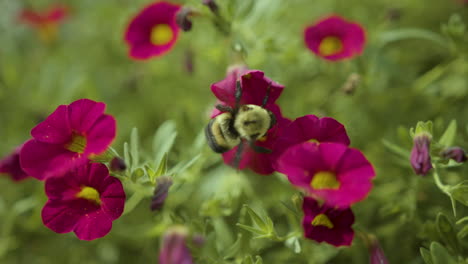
(211, 4)
(455, 153)
(160, 192)
(420, 154)
(174, 249)
(376, 254)
(182, 18)
(118, 164)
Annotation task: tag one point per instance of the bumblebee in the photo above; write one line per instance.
(243, 123)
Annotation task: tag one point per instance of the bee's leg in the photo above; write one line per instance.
(237, 157)
(267, 95)
(224, 108)
(238, 94)
(258, 148)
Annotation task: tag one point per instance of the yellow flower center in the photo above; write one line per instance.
(313, 140)
(161, 34)
(324, 180)
(48, 32)
(263, 139)
(330, 46)
(90, 194)
(77, 144)
(322, 220)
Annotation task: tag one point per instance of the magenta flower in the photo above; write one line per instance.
(420, 158)
(67, 138)
(11, 165)
(255, 87)
(86, 201)
(311, 128)
(174, 249)
(327, 224)
(334, 38)
(332, 172)
(153, 32)
(261, 163)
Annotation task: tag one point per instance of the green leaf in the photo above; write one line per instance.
(412, 33)
(163, 140)
(293, 243)
(440, 255)
(447, 232)
(134, 148)
(248, 260)
(234, 249)
(251, 229)
(426, 255)
(402, 152)
(181, 167)
(127, 154)
(162, 169)
(459, 192)
(463, 232)
(132, 202)
(257, 219)
(448, 137)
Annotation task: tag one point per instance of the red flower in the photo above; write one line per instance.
(327, 224)
(86, 201)
(46, 21)
(67, 138)
(11, 165)
(334, 38)
(153, 32)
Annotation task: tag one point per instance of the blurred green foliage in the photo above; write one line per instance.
(414, 68)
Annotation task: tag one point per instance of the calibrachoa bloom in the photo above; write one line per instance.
(11, 165)
(261, 163)
(153, 32)
(67, 138)
(45, 22)
(334, 38)
(311, 128)
(255, 87)
(333, 172)
(86, 200)
(420, 158)
(174, 249)
(323, 223)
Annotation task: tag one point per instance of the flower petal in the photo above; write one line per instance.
(93, 225)
(59, 216)
(101, 135)
(55, 129)
(84, 113)
(42, 160)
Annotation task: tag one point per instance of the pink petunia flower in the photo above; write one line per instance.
(174, 248)
(311, 128)
(86, 201)
(334, 38)
(46, 22)
(153, 31)
(67, 138)
(323, 223)
(333, 172)
(255, 86)
(261, 163)
(11, 165)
